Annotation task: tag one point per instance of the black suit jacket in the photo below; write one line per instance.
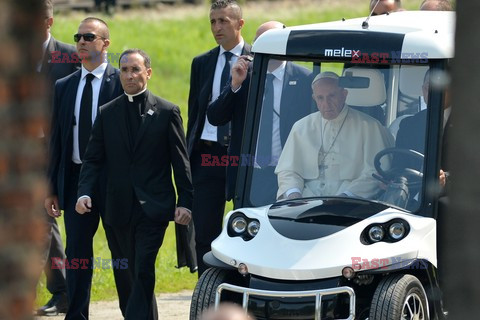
(59, 61)
(411, 135)
(445, 163)
(201, 82)
(142, 171)
(294, 105)
(63, 119)
(53, 68)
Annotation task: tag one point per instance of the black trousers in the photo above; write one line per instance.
(79, 230)
(208, 199)
(123, 278)
(442, 222)
(141, 240)
(56, 278)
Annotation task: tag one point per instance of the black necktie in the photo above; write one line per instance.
(223, 132)
(266, 125)
(85, 121)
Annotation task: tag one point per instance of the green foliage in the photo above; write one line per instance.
(172, 37)
(172, 41)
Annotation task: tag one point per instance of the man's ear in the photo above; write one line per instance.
(241, 22)
(49, 23)
(106, 43)
(149, 73)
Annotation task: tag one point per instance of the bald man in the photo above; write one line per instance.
(385, 6)
(291, 101)
(227, 311)
(436, 5)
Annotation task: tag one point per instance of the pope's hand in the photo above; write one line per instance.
(294, 195)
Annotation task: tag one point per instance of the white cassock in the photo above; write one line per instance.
(330, 157)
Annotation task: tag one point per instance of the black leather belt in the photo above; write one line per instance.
(208, 142)
(76, 167)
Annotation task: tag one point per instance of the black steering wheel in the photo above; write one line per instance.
(413, 176)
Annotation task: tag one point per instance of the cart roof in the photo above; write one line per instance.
(405, 32)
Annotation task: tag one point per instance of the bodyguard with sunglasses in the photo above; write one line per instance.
(76, 102)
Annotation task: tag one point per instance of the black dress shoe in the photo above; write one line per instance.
(57, 304)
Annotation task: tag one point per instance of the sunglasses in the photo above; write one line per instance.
(89, 37)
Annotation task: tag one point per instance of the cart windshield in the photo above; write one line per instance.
(340, 129)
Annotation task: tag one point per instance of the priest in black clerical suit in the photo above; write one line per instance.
(137, 139)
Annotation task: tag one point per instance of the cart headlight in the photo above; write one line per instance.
(376, 233)
(397, 230)
(253, 228)
(239, 225)
(390, 231)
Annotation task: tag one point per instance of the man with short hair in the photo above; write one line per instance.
(137, 139)
(331, 152)
(76, 102)
(290, 101)
(436, 5)
(411, 134)
(209, 74)
(59, 60)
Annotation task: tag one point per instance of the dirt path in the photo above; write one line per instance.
(171, 306)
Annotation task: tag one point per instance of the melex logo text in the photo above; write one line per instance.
(378, 57)
(343, 53)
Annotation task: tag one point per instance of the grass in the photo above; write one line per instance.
(172, 36)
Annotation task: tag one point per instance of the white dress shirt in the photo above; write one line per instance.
(210, 131)
(96, 84)
(279, 74)
(44, 50)
(446, 115)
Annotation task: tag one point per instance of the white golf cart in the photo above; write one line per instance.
(338, 256)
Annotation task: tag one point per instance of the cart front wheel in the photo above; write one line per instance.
(399, 297)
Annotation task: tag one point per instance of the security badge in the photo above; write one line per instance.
(292, 82)
(150, 112)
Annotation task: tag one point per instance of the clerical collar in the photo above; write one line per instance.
(131, 97)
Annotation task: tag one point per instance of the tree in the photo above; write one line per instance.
(462, 253)
(22, 226)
